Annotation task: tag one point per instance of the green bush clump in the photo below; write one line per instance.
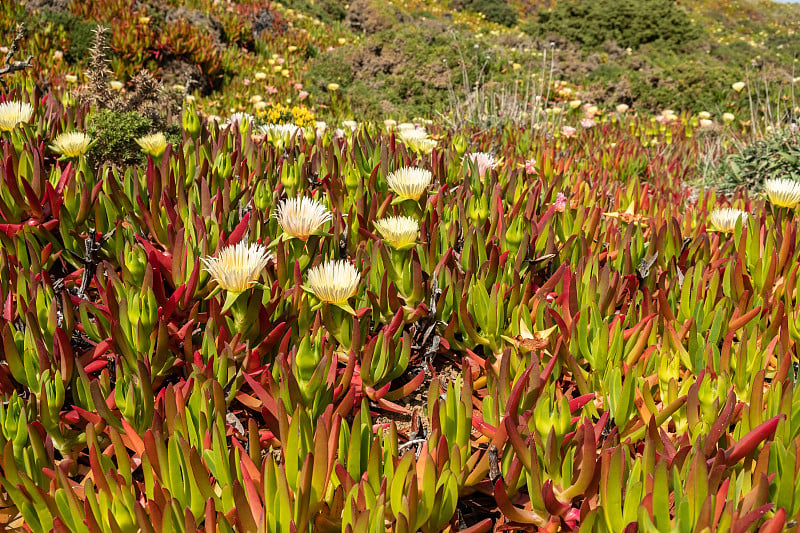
(327, 11)
(630, 23)
(774, 156)
(497, 11)
(115, 135)
(79, 31)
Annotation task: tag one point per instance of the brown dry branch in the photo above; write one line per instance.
(10, 66)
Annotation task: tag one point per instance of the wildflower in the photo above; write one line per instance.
(342, 40)
(738, 86)
(705, 123)
(409, 183)
(71, 144)
(13, 113)
(333, 87)
(301, 217)
(298, 86)
(724, 220)
(622, 108)
(333, 282)
(561, 202)
(116, 85)
(153, 144)
(400, 232)
(728, 117)
(591, 110)
(390, 124)
(516, 66)
(320, 127)
(237, 267)
(302, 95)
(70, 78)
(415, 138)
(587, 123)
(58, 55)
(261, 76)
(704, 115)
(291, 48)
(575, 104)
(351, 124)
(483, 161)
(530, 166)
(240, 118)
(568, 131)
(783, 192)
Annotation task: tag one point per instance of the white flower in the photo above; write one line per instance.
(301, 217)
(333, 282)
(13, 113)
(409, 183)
(483, 161)
(400, 232)
(738, 86)
(783, 192)
(237, 267)
(71, 144)
(724, 220)
(279, 131)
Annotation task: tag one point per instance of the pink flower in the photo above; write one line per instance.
(271, 90)
(530, 166)
(561, 202)
(281, 61)
(247, 82)
(329, 49)
(587, 123)
(298, 86)
(568, 131)
(302, 95)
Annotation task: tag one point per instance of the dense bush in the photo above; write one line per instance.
(115, 135)
(630, 23)
(79, 31)
(497, 11)
(775, 156)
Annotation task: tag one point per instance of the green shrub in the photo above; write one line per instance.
(115, 135)
(497, 11)
(630, 23)
(79, 31)
(775, 156)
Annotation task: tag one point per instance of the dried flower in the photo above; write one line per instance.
(153, 144)
(783, 192)
(71, 144)
(400, 232)
(409, 183)
(724, 220)
(333, 282)
(237, 267)
(13, 113)
(301, 217)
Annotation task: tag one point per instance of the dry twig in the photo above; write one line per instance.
(10, 66)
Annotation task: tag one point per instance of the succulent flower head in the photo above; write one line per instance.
(783, 192)
(399, 232)
(71, 144)
(153, 144)
(13, 113)
(483, 161)
(301, 217)
(333, 282)
(279, 131)
(724, 220)
(237, 267)
(409, 182)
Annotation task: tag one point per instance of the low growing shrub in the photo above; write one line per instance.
(774, 156)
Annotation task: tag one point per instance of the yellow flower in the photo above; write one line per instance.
(622, 108)
(13, 113)
(261, 76)
(415, 138)
(153, 144)
(783, 192)
(333, 282)
(292, 48)
(237, 267)
(704, 115)
(400, 232)
(409, 183)
(333, 87)
(70, 78)
(724, 220)
(116, 85)
(575, 104)
(728, 117)
(738, 86)
(301, 217)
(71, 144)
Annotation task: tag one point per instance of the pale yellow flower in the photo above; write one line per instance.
(71, 144)
(783, 192)
(116, 85)
(237, 267)
(333, 282)
(728, 117)
(390, 124)
(13, 113)
(399, 232)
(622, 108)
(704, 115)
(70, 78)
(409, 183)
(724, 220)
(738, 86)
(333, 87)
(153, 144)
(261, 76)
(301, 217)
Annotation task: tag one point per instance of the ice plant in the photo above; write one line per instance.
(333, 282)
(71, 144)
(783, 192)
(724, 220)
(13, 113)
(153, 144)
(483, 161)
(399, 232)
(738, 86)
(409, 183)
(236, 268)
(301, 217)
